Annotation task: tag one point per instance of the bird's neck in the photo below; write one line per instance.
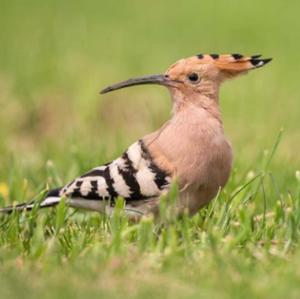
(203, 101)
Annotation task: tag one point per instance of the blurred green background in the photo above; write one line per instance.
(56, 55)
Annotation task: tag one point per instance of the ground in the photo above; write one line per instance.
(54, 58)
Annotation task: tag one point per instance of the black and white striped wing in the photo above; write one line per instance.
(133, 176)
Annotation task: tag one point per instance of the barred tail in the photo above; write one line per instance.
(52, 199)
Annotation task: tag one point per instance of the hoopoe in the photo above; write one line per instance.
(190, 148)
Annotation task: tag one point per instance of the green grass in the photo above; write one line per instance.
(54, 58)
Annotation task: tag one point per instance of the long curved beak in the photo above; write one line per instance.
(152, 79)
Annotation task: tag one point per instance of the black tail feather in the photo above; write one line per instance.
(53, 192)
(52, 198)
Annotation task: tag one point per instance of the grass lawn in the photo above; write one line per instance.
(54, 58)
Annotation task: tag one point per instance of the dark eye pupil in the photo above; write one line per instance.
(193, 77)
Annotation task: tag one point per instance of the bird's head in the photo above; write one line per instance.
(200, 74)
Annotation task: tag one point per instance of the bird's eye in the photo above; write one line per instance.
(193, 77)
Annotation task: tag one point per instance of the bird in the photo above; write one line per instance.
(189, 149)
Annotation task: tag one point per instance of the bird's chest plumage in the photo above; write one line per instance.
(206, 162)
(197, 150)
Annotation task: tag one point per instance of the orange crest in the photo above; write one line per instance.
(234, 63)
